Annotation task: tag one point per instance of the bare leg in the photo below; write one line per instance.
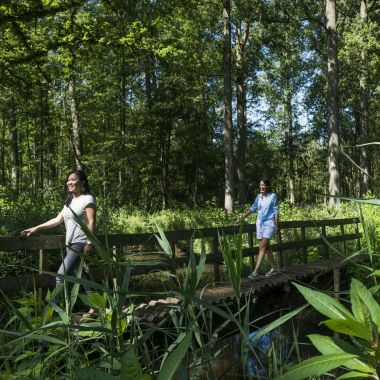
(270, 256)
(263, 247)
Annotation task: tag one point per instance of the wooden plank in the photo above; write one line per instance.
(313, 242)
(58, 241)
(26, 282)
(317, 223)
(33, 243)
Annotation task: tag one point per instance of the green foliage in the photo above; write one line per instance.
(112, 344)
(130, 366)
(25, 212)
(361, 356)
(316, 366)
(234, 263)
(175, 357)
(148, 81)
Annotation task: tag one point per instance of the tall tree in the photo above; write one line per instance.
(75, 126)
(332, 101)
(286, 73)
(14, 143)
(147, 76)
(2, 147)
(363, 133)
(290, 144)
(227, 108)
(241, 69)
(122, 110)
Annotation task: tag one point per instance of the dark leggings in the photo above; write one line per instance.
(70, 264)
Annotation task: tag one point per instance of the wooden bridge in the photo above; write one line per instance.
(301, 238)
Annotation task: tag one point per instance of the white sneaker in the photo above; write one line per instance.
(270, 272)
(253, 275)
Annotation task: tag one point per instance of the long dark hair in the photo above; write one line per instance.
(266, 182)
(85, 187)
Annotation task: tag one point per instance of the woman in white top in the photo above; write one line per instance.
(83, 204)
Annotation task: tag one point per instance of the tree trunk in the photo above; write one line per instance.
(76, 136)
(241, 112)
(165, 137)
(290, 143)
(227, 109)
(46, 144)
(122, 116)
(149, 82)
(332, 102)
(2, 149)
(15, 163)
(150, 192)
(363, 133)
(48, 134)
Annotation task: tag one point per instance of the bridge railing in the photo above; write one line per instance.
(42, 244)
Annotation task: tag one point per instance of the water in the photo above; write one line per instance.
(227, 363)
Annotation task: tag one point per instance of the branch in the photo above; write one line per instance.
(32, 14)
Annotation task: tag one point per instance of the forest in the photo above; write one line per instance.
(168, 103)
(176, 110)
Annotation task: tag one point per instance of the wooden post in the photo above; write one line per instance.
(174, 264)
(172, 247)
(215, 245)
(344, 241)
(250, 245)
(325, 245)
(357, 232)
(43, 265)
(336, 290)
(304, 249)
(279, 240)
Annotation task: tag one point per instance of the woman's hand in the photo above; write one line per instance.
(87, 249)
(28, 231)
(49, 224)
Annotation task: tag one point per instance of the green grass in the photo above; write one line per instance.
(40, 340)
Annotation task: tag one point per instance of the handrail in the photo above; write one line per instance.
(44, 243)
(51, 242)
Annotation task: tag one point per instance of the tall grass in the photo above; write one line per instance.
(41, 339)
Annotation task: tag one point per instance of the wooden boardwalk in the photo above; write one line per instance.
(259, 285)
(294, 236)
(156, 310)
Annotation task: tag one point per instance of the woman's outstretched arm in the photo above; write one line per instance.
(49, 224)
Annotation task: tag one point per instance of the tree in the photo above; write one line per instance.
(75, 126)
(332, 101)
(363, 133)
(14, 143)
(138, 87)
(227, 109)
(241, 40)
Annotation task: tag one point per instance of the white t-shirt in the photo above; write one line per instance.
(74, 233)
